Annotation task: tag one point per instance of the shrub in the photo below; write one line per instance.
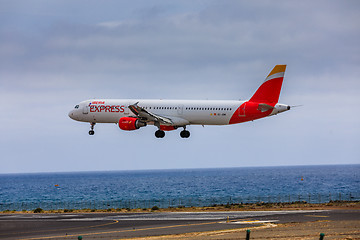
(38, 210)
(154, 208)
(68, 210)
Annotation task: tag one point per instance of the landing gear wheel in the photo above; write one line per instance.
(92, 132)
(159, 134)
(184, 134)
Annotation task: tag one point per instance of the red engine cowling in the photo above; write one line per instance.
(130, 123)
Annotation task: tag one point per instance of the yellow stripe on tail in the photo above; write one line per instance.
(277, 69)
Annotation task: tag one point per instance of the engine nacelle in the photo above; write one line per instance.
(130, 123)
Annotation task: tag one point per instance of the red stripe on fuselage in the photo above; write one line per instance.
(249, 111)
(267, 93)
(167, 128)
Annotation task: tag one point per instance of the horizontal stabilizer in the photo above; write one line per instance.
(265, 107)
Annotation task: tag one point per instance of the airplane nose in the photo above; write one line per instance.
(71, 114)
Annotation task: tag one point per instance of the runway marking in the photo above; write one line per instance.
(63, 229)
(217, 232)
(122, 231)
(253, 222)
(143, 229)
(316, 216)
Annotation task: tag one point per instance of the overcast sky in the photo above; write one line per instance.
(54, 54)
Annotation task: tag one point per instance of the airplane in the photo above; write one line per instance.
(169, 115)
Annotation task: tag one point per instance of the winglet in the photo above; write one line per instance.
(269, 91)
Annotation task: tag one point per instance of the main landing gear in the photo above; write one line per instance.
(184, 133)
(92, 132)
(159, 134)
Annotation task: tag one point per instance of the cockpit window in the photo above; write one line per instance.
(77, 106)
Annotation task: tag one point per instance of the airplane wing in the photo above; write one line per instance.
(148, 116)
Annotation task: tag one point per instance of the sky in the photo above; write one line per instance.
(54, 54)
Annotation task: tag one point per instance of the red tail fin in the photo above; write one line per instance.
(269, 91)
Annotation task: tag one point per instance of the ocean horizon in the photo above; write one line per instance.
(175, 169)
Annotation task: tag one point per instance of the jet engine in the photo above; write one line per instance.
(130, 123)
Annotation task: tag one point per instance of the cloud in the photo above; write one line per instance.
(214, 36)
(53, 55)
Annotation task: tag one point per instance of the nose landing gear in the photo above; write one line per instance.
(92, 132)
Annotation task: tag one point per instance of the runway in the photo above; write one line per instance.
(130, 225)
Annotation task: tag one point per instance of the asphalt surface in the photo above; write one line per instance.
(129, 225)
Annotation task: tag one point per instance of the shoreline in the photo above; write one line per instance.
(351, 205)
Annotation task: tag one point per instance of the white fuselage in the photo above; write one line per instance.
(186, 112)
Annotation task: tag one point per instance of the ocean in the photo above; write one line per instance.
(195, 187)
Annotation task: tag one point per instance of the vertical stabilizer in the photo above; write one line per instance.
(269, 91)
